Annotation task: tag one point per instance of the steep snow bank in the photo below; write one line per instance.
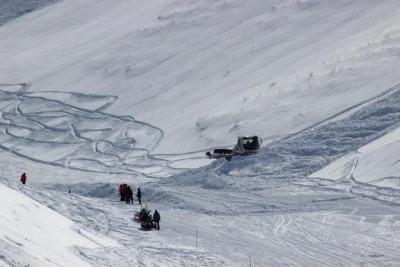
(377, 163)
(31, 233)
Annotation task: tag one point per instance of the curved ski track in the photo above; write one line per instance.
(91, 140)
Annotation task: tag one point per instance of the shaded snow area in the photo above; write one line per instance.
(11, 9)
(97, 93)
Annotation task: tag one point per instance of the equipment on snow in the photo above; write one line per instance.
(145, 219)
(246, 145)
(148, 225)
(143, 215)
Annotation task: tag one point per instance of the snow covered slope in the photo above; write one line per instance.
(207, 71)
(98, 93)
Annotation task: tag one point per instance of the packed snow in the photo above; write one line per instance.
(95, 94)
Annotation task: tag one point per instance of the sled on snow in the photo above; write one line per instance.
(143, 215)
(246, 145)
(148, 225)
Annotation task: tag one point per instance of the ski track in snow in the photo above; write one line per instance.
(88, 139)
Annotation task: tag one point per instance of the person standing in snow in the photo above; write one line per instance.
(129, 197)
(122, 191)
(23, 178)
(139, 196)
(157, 219)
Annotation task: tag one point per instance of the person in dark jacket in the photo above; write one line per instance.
(129, 195)
(139, 196)
(157, 219)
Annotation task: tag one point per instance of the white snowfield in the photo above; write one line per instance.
(97, 93)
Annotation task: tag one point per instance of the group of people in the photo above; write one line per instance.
(149, 222)
(126, 193)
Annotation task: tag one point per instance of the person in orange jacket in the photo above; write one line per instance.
(23, 178)
(122, 191)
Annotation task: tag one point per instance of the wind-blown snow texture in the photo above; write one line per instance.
(98, 93)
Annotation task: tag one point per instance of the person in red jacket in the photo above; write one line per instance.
(122, 191)
(23, 178)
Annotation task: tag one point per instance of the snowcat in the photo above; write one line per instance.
(246, 145)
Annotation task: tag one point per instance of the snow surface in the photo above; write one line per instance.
(98, 93)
